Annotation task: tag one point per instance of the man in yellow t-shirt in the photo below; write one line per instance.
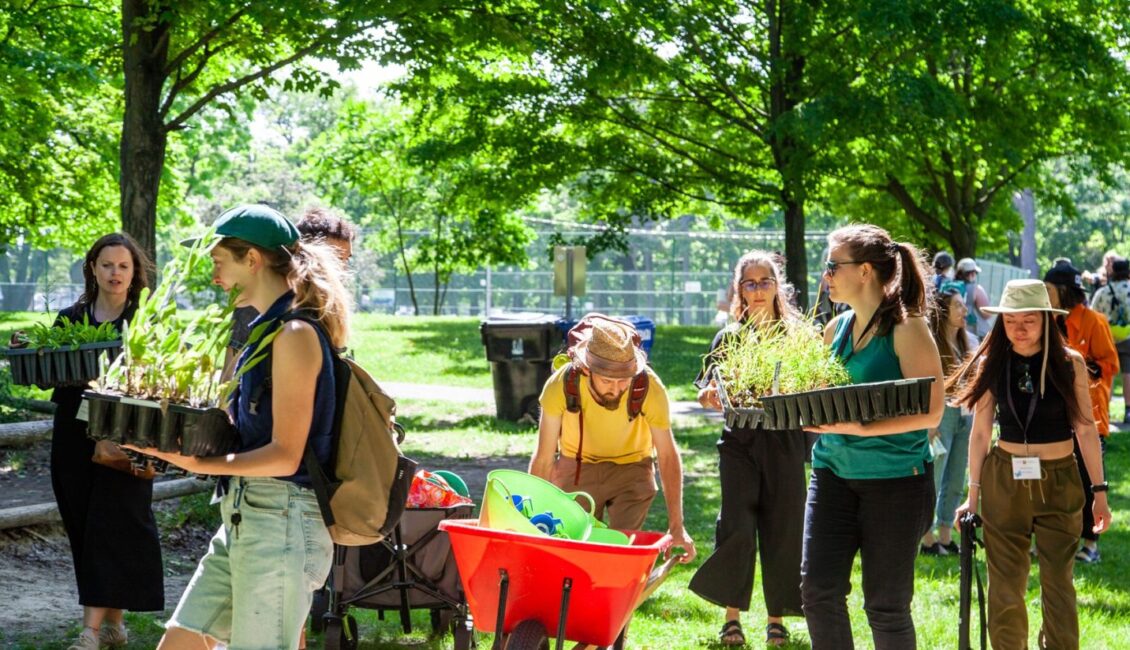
(615, 453)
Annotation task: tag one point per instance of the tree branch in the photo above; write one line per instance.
(898, 191)
(203, 41)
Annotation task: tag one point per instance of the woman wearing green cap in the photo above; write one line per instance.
(1034, 386)
(254, 586)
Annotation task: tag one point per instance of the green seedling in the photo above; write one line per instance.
(67, 333)
(777, 358)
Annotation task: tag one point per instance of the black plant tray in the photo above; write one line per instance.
(856, 403)
(68, 365)
(738, 417)
(174, 427)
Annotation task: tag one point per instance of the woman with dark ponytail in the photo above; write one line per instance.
(254, 587)
(872, 486)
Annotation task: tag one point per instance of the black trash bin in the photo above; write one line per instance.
(520, 349)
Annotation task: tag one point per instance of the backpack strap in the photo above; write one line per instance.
(637, 394)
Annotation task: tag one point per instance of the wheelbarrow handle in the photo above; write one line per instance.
(656, 578)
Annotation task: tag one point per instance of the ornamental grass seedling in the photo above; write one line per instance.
(748, 361)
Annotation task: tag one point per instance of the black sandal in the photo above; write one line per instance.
(776, 632)
(732, 634)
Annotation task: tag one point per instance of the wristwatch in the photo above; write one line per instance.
(1100, 487)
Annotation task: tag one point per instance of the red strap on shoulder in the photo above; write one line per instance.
(637, 394)
(572, 386)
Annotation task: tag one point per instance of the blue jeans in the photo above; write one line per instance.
(949, 474)
(252, 590)
(882, 520)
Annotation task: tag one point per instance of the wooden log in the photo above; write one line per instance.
(46, 513)
(19, 434)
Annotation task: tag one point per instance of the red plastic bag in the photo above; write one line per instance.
(432, 491)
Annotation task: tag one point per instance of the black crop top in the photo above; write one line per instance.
(1050, 422)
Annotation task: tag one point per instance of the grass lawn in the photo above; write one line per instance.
(447, 351)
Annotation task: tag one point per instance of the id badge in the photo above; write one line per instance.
(83, 414)
(1025, 467)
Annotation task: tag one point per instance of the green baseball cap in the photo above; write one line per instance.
(255, 223)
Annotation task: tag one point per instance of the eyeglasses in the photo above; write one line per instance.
(752, 285)
(831, 266)
(1025, 383)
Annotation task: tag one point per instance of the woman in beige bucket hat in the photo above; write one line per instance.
(1035, 387)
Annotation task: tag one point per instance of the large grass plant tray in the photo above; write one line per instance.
(738, 417)
(67, 365)
(855, 403)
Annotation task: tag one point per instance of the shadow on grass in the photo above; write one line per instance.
(458, 340)
(487, 423)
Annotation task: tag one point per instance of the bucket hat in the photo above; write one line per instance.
(610, 350)
(1024, 295)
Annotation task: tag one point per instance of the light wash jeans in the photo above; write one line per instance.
(253, 588)
(949, 472)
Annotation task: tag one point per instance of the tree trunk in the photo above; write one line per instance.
(144, 138)
(1025, 204)
(796, 260)
(963, 238)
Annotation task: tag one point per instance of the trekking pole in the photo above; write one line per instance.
(969, 523)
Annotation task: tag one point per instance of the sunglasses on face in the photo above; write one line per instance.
(831, 266)
(753, 285)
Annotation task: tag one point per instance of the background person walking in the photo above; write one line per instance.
(955, 344)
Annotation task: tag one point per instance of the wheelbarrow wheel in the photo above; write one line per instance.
(318, 609)
(529, 635)
(341, 633)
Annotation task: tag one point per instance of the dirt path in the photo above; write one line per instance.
(37, 583)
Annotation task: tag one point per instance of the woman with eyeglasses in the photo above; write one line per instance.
(1034, 386)
(872, 487)
(762, 476)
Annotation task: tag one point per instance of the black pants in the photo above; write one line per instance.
(762, 476)
(1088, 505)
(883, 520)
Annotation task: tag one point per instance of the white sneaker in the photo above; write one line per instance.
(114, 636)
(87, 640)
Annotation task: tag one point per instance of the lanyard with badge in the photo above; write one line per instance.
(1023, 467)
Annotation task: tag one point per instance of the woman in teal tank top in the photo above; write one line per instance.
(872, 487)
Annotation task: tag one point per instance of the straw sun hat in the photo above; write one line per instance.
(610, 350)
(1027, 296)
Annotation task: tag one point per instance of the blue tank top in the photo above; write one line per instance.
(253, 414)
(870, 457)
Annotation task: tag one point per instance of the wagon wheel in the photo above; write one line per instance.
(529, 635)
(318, 608)
(341, 633)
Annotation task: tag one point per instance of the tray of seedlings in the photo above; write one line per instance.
(67, 355)
(758, 362)
(165, 389)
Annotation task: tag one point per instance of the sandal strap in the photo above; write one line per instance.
(776, 631)
(732, 629)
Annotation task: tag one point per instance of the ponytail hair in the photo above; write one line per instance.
(900, 268)
(315, 274)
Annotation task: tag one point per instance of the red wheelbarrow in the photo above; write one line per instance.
(522, 586)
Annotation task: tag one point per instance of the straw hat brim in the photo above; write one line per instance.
(1020, 310)
(608, 368)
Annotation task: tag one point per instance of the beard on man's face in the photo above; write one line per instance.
(610, 401)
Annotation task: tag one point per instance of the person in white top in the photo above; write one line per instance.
(1113, 301)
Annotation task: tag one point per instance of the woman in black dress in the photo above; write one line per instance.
(107, 513)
